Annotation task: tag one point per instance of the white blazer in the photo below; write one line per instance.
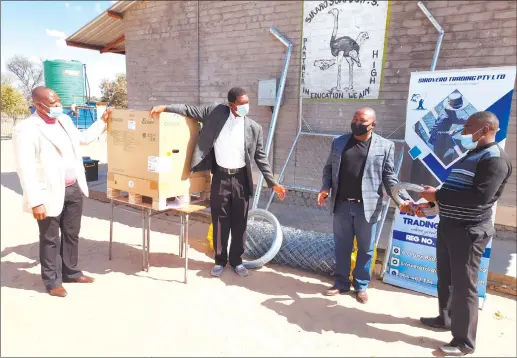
(40, 164)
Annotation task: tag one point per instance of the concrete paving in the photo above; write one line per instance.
(274, 312)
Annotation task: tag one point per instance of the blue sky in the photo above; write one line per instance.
(37, 29)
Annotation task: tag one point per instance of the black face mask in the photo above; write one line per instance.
(359, 129)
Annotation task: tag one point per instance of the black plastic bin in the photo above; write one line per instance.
(91, 168)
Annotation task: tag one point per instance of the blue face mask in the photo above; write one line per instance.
(243, 110)
(467, 142)
(54, 112)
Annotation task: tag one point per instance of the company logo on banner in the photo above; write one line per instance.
(343, 49)
(439, 104)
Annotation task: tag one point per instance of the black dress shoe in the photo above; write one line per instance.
(434, 322)
(452, 350)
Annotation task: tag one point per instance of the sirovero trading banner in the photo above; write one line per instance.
(439, 104)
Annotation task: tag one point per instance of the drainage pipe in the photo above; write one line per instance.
(440, 30)
(282, 172)
(278, 100)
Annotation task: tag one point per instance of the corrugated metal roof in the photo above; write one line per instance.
(105, 33)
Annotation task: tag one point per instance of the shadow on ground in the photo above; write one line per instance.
(128, 260)
(10, 181)
(169, 224)
(320, 315)
(310, 314)
(93, 258)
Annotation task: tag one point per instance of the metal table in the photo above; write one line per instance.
(147, 213)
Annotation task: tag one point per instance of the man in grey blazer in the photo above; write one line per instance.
(227, 143)
(359, 164)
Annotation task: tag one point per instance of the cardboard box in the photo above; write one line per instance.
(152, 157)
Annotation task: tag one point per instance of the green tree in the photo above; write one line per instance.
(115, 92)
(13, 103)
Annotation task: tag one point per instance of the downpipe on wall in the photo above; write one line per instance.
(276, 109)
(440, 30)
(198, 58)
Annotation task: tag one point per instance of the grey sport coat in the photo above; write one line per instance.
(379, 169)
(213, 117)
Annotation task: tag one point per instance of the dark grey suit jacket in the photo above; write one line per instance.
(379, 169)
(213, 117)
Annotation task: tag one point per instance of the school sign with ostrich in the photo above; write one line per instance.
(343, 49)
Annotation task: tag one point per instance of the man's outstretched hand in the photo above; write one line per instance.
(322, 196)
(106, 115)
(420, 207)
(407, 207)
(280, 191)
(155, 112)
(429, 193)
(411, 208)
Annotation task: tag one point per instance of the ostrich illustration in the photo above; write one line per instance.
(343, 47)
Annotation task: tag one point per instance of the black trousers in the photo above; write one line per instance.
(229, 204)
(459, 249)
(59, 251)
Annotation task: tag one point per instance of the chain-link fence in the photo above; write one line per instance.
(302, 179)
(306, 226)
(302, 176)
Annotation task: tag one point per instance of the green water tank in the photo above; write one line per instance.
(67, 79)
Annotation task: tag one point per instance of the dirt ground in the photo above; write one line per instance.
(273, 312)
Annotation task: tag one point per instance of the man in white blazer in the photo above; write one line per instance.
(51, 172)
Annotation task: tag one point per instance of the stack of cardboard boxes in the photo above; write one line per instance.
(151, 158)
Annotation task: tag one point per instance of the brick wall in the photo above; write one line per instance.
(236, 48)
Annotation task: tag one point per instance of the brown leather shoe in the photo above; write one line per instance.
(361, 297)
(82, 279)
(58, 292)
(334, 291)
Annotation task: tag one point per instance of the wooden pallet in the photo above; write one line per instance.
(146, 201)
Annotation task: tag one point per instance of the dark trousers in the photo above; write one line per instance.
(459, 249)
(350, 222)
(58, 252)
(229, 205)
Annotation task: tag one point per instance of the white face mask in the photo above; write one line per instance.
(467, 142)
(54, 112)
(243, 110)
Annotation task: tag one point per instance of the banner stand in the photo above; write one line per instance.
(439, 104)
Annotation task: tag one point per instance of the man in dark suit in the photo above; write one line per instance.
(358, 166)
(227, 143)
